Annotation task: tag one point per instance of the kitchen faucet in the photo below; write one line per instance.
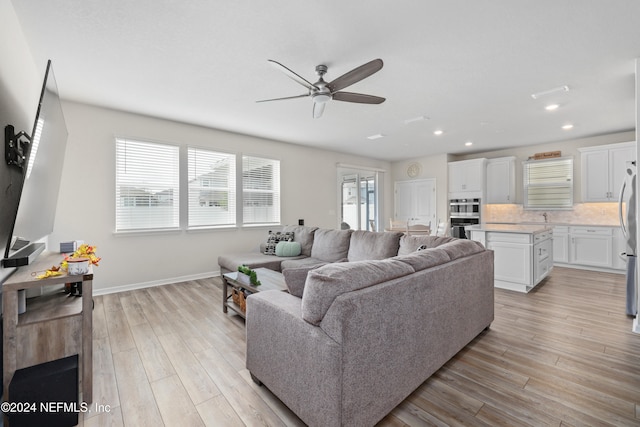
(544, 214)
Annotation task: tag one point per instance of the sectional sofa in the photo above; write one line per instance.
(366, 322)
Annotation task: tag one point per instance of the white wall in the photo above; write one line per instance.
(86, 206)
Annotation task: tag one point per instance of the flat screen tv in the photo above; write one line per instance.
(31, 216)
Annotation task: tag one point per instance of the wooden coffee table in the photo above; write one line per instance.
(269, 279)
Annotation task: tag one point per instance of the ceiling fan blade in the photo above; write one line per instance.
(355, 75)
(318, 109)
(286, 97)
(293, 76)
(358, 97)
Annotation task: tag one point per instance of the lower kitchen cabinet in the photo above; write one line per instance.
(522, 257)
(591, 246)
(561, 244)
(595, 247)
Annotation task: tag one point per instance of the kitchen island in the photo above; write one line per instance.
(523, 254)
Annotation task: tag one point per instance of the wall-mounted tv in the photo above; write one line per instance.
(31, 216)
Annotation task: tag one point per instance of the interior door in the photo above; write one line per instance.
(415, 201)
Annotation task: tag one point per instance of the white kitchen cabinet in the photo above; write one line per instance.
(542, 258)
(512, 262)
(591, 246)
(466, 179)
(602, 170)
(523, 255)
(501, 180)
(561, 244)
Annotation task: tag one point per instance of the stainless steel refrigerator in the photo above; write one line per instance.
(627, 212)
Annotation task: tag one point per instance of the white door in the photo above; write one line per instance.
(404, 200)
(415, 201)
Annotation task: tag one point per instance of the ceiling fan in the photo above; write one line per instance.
(321, 91)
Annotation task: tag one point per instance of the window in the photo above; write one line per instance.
(548, 184)
(147, 185)
(260, 190)
(212, 188)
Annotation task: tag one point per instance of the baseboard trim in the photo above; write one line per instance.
(588, 267)
(151, 284)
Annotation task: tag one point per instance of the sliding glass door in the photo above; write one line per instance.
(359, 199)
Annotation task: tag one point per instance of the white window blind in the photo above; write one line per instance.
(548, 184)
(260, 190)
(212, 188)
(147, 185)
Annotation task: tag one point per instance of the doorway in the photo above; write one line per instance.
(415, 201)
(359, 195)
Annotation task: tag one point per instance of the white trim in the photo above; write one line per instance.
(162, 282)
(367, 168)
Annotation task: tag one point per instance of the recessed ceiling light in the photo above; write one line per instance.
(551, 107)
(438, 132)
(567, 126)
(564, 88)
(416, 119)
(376, 136)
(468, 143)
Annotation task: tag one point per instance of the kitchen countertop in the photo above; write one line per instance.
(553, 224)
(511, 228)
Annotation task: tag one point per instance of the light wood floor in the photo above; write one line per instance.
(563, 355)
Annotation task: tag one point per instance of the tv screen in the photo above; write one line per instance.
(39, 197)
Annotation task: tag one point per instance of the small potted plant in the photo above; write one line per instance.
(247, 275)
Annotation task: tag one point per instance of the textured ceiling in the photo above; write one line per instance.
(469, 66)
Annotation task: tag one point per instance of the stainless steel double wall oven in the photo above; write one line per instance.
(463, 212)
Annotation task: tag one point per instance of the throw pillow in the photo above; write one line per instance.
(288, 249)
(274, 238)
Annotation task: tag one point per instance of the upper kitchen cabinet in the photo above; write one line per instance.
(466, 179)
(501, 180)
(603, 169)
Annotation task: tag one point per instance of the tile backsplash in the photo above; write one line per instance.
(581, 214)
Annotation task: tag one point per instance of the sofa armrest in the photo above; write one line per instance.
(288, 354)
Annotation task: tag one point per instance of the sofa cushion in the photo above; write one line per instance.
(303, 235)
(370, 245)
(276, 237)
(330, 245)
(295, 278)
(326, 283)
(301, 262)
(423, 259)
(288, 249)
(459, 248)
(409, 244)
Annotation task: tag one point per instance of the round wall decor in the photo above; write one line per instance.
(413, 170)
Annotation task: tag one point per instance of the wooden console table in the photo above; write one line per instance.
(54, 326)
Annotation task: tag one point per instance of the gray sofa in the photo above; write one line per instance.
(319, 246)
(353, 339)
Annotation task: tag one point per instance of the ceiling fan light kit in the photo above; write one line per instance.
(321, 92)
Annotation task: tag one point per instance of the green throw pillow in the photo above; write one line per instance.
(288, 249)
